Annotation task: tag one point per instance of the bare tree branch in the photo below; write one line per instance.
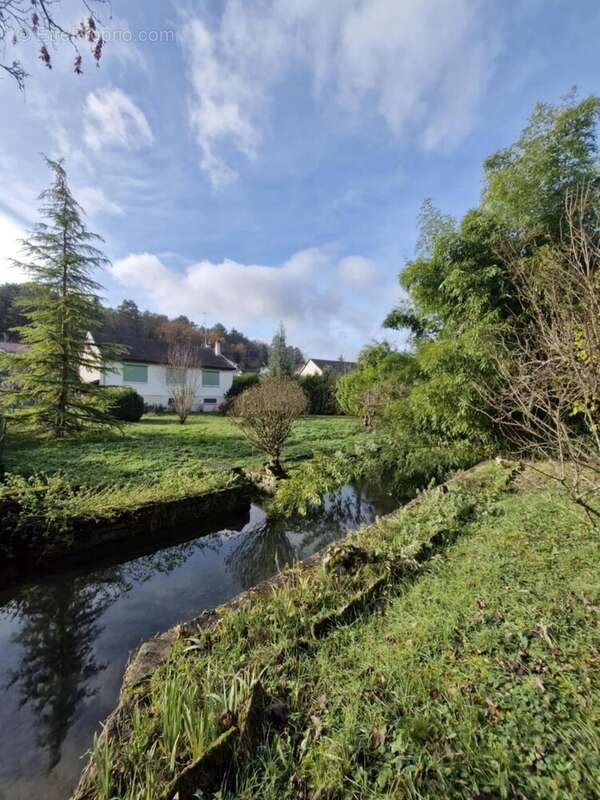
(547, 402)
(183, 375)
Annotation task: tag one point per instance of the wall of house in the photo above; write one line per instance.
(156, 391)
(310, 368)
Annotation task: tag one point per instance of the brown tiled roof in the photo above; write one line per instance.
(334, 365)
(156, 351)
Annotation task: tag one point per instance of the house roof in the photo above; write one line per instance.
(12, 347)
(334, 365)
(156, 351)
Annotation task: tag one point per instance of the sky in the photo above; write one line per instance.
(252, 162)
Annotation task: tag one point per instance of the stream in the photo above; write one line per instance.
(64, 641)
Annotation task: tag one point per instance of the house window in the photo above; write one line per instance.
(210, 377)
(176, 376)
(135, 373)
(210, 401)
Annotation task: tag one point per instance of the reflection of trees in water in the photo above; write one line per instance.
(267, 547)
(59, 628)
(60, 625)
(261, 550)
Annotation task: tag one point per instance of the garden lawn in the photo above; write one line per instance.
(475, 675)
(159, 444)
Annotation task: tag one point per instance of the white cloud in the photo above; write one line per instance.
(312, 293)
(420, 65)
(358, 272)
(10, 233)
(112, 119)
(94, 200)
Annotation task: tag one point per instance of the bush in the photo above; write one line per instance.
(241, 383)
(125, 403)
(320, 393)
(266, 414)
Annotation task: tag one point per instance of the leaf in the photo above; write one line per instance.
(378, 737)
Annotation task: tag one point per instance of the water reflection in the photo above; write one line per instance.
(60, 625)
(64, 642)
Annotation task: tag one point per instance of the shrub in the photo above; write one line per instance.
(320, 393)
(266, 413)
(125, 403)
(241, 383)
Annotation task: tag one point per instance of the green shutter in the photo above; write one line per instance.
(135, 373)
(210, 377)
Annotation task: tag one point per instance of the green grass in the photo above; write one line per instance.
(476, 675)
(159, 443)
(54, 486)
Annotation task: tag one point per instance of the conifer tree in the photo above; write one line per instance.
(280, 363)
(46, 385)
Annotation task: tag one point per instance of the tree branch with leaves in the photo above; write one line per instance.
(36, 19)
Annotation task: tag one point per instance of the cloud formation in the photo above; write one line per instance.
(112, 119)
(94, 201)
(421, 65)
(312, 292)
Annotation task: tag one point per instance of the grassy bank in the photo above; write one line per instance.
(453, 653)
(158, 444)
(53, 486)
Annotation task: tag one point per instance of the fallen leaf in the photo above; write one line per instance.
(378, 737)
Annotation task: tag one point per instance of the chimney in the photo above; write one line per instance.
(217, 347)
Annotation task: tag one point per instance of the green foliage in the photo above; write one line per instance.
(464, 295)
(310, 481)
(61, 308)
(377, 363)
(50, 508)
(242, 382)
(125, 404)
(281, 364)
(3, 429)
(320, 391)
(556, 153)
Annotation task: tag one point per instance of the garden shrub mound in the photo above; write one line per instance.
(126, 404)
(449, 650)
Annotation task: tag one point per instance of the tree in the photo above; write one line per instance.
(547, 401)
(23, 19)
(266, 414)
(182, 376)
(280, 362)
(464, 293)
(377, 364)
(556, 153)
(130, 317)
(63, 307)
(320, 392)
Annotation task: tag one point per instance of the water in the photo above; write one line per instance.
(64, 641)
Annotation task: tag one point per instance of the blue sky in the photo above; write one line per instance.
(266, 160)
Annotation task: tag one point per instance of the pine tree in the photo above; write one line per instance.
(280, 365)
(46, 385)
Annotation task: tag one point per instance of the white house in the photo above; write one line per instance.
(145, 368)
(317, 366)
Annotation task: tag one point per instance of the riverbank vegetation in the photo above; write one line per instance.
(448, 650)
(55, 485)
